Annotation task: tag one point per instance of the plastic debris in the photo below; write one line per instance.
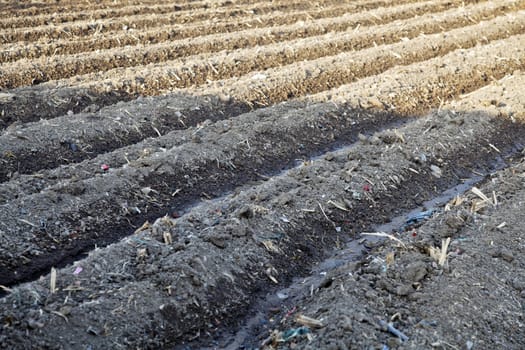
(294, 332)
(389, 327)
(282, 296)
(104, 167)
(78, 270)
(282, 337)
(436, 171)
(418, 218)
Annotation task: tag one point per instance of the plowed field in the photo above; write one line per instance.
(254, 174)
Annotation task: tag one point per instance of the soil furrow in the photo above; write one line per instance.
(176, 177)
(86, 135)
(25, 72)
(253, 143)
(49, 100)
(215, 42)
(33, 9)
(221, 253)
(18, 148)
(300, 79)
(488, 236)
(85, 28)
(186, 16)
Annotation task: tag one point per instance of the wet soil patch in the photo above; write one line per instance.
(320, 242)
(203, 181)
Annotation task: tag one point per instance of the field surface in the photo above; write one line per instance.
(248, 174)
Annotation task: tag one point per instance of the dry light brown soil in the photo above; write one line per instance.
(248, 174)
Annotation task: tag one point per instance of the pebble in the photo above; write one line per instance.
(436, 171)
(519, 283)
(218, 242)
(507, 255)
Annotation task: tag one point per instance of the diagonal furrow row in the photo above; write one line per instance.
(260, 141)
(154, 271)
(122, 127)
(311, 77)
(214, 42)
(26, 72)
(47, 101)
(36, 9)
(84, 28)
(185, 15)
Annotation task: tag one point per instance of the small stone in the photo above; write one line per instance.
(374, 102)
(196, 139)
(393, 342)
(506, 255)
(236, 230)
(195, 281)
(218, 242)
(370, 294)
(455, 223)
(282, 296)
(376, 141)
(436, 171)
(65, 310)
(33, 324)
(73, 147)
(245, 212)
(519, 283)
(91, 330)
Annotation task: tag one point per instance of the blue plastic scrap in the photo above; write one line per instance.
(389, 327)
(419, 217)
(294, 332)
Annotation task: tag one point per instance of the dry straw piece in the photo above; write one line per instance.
(167, 238)
(53, 281)
(485, 200)
(383, 234)
(309, 322)
(440, 254)
(144, 227)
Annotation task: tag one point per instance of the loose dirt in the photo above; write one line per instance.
(254, 175)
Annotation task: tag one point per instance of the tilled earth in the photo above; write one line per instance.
(262, 175)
